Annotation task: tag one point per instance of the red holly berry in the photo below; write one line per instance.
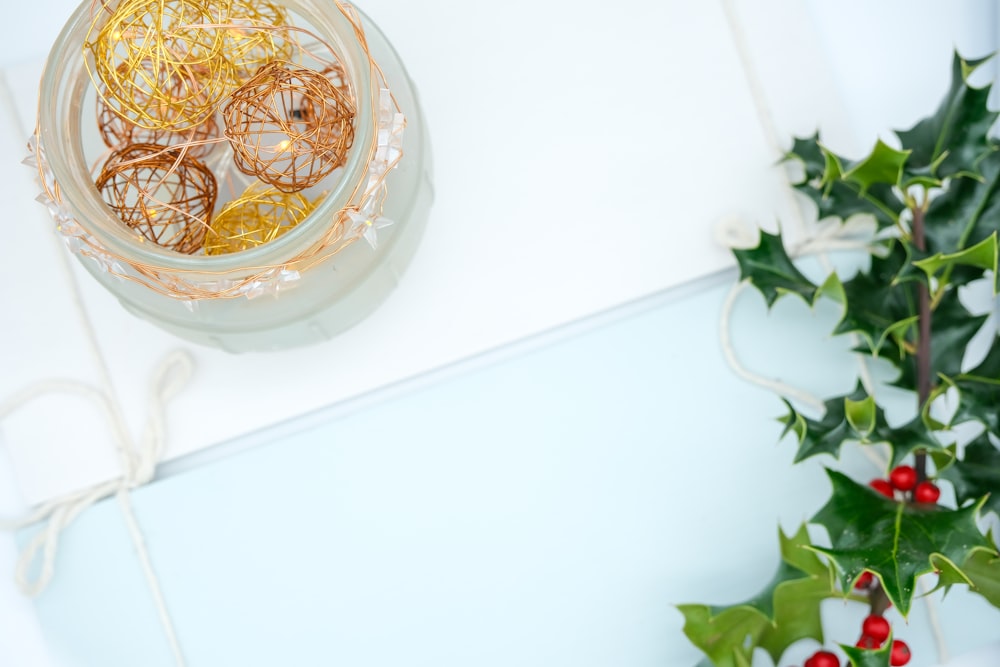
(865, 580)
(926, 492)
(877, 628)
(882, 486)
(823, 659)
(903, 478)
(900, 654)
(867, 642)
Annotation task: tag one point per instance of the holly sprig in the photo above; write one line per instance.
(935, 198)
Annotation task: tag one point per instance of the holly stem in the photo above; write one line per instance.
(923, 356)
(877, 599)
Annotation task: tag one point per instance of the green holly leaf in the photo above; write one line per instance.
(808, 151)
(797, 602)
(785, 611)
(861, 415)
(827, 434)
(879, 303)
(983, 570)
(883, 166)
(965, 214)
(835, 197)
(905, 438)
(772, 272)
(726, 636)
(896, 541)
(977, 474)
(861, 657)
(954, 139)
(982, 255)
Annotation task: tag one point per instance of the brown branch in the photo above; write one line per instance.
(877, 599)
(923, 356)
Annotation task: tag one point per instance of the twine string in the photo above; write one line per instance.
(138, 464)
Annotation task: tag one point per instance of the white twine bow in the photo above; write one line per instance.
(138, 462)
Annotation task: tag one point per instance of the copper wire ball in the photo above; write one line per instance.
(289, 126)
(259, 215)
(117, 131)
(161, 192)
(186, 73)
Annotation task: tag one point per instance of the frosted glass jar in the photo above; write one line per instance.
(289, 308)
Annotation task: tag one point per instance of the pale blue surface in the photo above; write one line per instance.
(545, 509)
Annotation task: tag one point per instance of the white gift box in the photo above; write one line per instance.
(551, 206)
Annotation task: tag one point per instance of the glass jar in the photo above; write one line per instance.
(296, 289)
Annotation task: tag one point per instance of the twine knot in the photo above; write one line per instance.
(138, 462)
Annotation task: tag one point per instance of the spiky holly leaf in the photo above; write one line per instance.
(905, 438)
(785, 611)
(895, 541)
(723, 637)
(861, 415)
(965, 214)
(982, 256)
(797, 603)
(983, 570)
(860, 657)
(807, 150)
(879, 302)
(954, 139)
(827, 434)
(976, 474)
(883, 166)
(856, 416)
(952, 327)
(771, 271)
(835, 197)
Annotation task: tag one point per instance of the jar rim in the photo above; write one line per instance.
(60, 114)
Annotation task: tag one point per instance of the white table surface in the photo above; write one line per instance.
(912, 40)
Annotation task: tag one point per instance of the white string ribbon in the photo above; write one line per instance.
(138, 463)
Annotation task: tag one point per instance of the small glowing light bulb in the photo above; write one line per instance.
(283, 145)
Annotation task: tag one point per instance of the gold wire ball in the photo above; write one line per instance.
(255, 36)
(289, 126)
(164, 194)
(160, 66)
(259, 215)
(117, 131)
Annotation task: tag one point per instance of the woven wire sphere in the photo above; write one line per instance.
(117, 131)
(186, 72)
(259, 215)
(289, 126)
(161, 192)
(255, 35)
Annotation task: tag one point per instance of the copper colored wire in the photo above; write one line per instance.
(164, 194)
(289, 126)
